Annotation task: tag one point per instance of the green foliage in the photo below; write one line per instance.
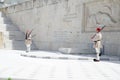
(9, 78)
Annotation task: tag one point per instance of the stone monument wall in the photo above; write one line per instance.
(69, 23)
(1, 40)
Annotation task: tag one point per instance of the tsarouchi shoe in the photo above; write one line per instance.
(95, 60)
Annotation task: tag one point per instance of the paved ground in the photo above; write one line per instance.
(21, 66)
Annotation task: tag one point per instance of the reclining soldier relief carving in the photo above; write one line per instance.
(100, 12)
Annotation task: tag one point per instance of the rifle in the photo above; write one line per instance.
(103, 27)
(100, 30)
(28, 34)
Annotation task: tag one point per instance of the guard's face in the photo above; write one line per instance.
(98, 30)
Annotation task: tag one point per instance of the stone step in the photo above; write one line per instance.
(8, 28)
(14, 35)
(17, 45)
(14, 44)
(5, 21)
(1, 14)
(2, 18)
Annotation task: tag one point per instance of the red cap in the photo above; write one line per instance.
(98, 29)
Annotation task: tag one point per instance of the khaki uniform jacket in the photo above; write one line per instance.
(97, 40)
(28, 42)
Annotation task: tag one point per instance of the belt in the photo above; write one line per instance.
(97, 40)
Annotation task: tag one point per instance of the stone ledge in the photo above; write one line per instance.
(70, 57)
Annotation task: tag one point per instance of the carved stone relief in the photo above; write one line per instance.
(70, 11)
(101, 12)
(37, 3)
(10, 9)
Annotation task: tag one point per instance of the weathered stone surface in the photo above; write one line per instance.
(1, 40)
(102, 12)
(69, 23)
